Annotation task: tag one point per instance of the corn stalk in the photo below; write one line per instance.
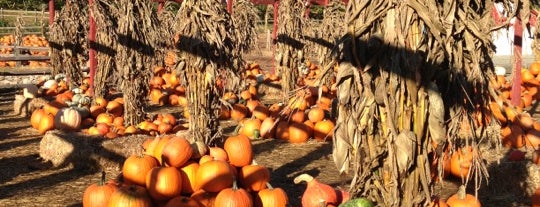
(289, 54)
(68, 41)
(411, 74)
(207, 48)
(329, 30)
(245, 17)
(138, 49)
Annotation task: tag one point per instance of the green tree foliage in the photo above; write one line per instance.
(35, 5)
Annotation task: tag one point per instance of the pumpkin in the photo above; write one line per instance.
(275, 109)
(323, 130)
(535, 198)
(135, 168)
(282, 130)
(251, 128)
(130, 196)
(437, 202)
(214, 176)
(164, 183)
(177, 152)
(298, 116)
(105, 118)
(462, 199)
(115, 108)
(239, 112)
(271, 197)
(461, 161)
(316, 114)
(234, 196)
(261, 112)
(267, 129)
(46, 123)
(239, 150)
(36, 117)
(205, 199)
(299, 133)
(68, 119)
(253, 177)
(97, 195)
(316, 192)
(182, 201)
(298, 102)
(218, 153)
(169, 119)
(188, 173)
(252, 104)
(53, 107)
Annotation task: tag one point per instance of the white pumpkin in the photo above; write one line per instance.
(48, 84)
(68, 119)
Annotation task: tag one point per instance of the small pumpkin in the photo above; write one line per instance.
(234, 196)
(251, 128)
(36, 117)
(316, 192)
(135, 168)
(239, 112)
(299, 133)
(271, 197)
(182, 201)
(267, 129)
(218, 153)
(323, 130)
(129, 196)
(461, 161)
(239, 150)
(164, 183)
(462, 199)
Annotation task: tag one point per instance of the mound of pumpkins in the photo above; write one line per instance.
(518, 128)
(75, 110)
(29, 41)
(306, 115)
(176, 172)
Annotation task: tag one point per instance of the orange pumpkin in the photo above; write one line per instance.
(36, 117)
(46, 123)
(135, 168)
(214, 176)
(261, 112)
(177, 152)
(105, 118)
(251, 128)
(271, 197)
(462, 199)
(323, 130)
(218, 153)
(315, 114)
(299, 133)
(115, 108)
(131, 195)
(239, 150)
(182, 201)
(205, 199)
(298, 116)
(316, 191)
(267, 129)
(164, 183)
(461, 161)
(234, 196)
(188, 173)
(282, 130)
(253, 177)
(239, 112)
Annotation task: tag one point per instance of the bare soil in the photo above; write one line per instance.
(27, 181)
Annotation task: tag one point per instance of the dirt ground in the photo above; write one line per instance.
(26, 181)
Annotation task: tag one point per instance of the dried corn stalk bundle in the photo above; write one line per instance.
(329, 30)
(536, 42)
(167, 19)
(410, 74)
(106, 14)
(245, 17)
(207, 49)
(289, 54)
(138, 49)
(68, 40)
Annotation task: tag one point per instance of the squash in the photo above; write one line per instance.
(316, 193)
(68, 119)
(358, 202)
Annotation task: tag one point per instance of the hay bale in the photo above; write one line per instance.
(25, 106)
(85, 151)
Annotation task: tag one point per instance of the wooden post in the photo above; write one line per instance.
(51, 12)
(274, 33)
(229, 6)
(516, 82)
(92, 53)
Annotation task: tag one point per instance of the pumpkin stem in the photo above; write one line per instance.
(234, 184)
(269, 186)
(303, 177)
(461, 193)
(322, 203)
(102, 181)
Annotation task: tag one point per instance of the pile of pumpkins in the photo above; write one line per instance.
(518, 128)
(75, 110)
(29, 41)
(174, 171)
(304, 116)
(165, 88)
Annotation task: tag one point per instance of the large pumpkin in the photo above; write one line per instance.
(68, 119)
(36, 117)
(177, 152)
(234, 196)
(46, 123)
(214, 176)
(239, 150)
(130, 196)
(97, 195)
(135, 168)
(164, 183)
(188, 173)
(253, 177)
